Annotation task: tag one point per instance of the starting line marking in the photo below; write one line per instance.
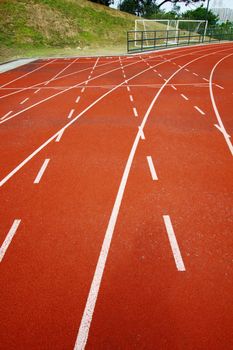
(41, 172)
(152, 168)
(173, 242)
(9, 238)
(199, 110)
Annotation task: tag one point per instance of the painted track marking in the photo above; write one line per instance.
(199, 110)
(152, 168)
(142, 135)
(173, 243)
(174, 88)
(71, 113)
(25, 100)
(41, 171)
(135, 112)
(77, 99)
(9, 238)
(6, 115)
(59, 136)
(185, 97)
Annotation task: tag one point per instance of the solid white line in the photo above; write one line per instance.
(59, 136)
(135, 112)
(185, 97)
(77, 99)
(152, 168)
(131, 98)
(9, 238)
(41, 171)
(173, 242)
(173, 87)
(220, 123)
(71, 113)
(35, 92)
(199, 110)
(141, 133)
(96, 282)
(25, 100)
(6, 115)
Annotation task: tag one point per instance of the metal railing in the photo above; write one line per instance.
(138, 41)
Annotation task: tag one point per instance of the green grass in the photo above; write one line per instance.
(60, 27)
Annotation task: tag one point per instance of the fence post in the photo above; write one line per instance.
(142, 38)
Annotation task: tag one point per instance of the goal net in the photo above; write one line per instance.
(168, 31)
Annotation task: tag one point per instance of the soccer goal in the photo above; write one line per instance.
(169, 31)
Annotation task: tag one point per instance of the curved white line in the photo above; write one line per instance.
(220, 126)
(84, 328)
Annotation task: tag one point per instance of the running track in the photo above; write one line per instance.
(116, 202)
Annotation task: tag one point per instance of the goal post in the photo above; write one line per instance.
(174, 30)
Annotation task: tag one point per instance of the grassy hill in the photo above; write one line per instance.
(51, 27)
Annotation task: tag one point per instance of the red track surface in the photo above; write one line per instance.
(90, 264)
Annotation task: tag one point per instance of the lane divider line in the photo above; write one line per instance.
(196, 74)
(173, 243)
(174, 88)
(25, 100)
(71, 113)
(199, 110)
(35, 92)
(152, 168)
(41, 171)
(205, 79)
(142, 135)
(77, 99)
(9, 238)
(83, 89)
(219, 86)
(131, 98)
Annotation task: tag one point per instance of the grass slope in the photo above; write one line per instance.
(52, 27)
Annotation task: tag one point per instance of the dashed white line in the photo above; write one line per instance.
(9, 238)
(135, 112)
(219, 86)
(185, 97)
(77, 99)
(159, 75)
(70, 114)
(199, 110)
(174, 88)
(25, 100)
(195, 74)
(205, 79)
(128, 88)
(6, 115)
(187, 70)
(82, 89)
(35, 92)
(131, 98)
(41, 172)
(173, 242)
(152, 168)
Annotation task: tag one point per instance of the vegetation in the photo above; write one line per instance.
(29, 27)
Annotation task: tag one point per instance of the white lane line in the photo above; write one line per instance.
(135, 112)
(128, 88)
(187, 70)
(59, 136)
(124, 75)
(41, 171)
(9, 238)
(155, 70)
(164, 79)
(25, 100)
(217, 114)
(159, 75)
(219, 86)
(6, 115)
(195, 74)
(152, 168)
(35, 92)
(48, 141)
(70, 114)
(131, 98)
(174, 88)
(82, 90)
(174, 244)
(219, 128)
(199, 110)
(77, 99)
(84, 328)
(142, 135)
(86, 82)
(205, 79)
(185, 97)
(89, 77)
